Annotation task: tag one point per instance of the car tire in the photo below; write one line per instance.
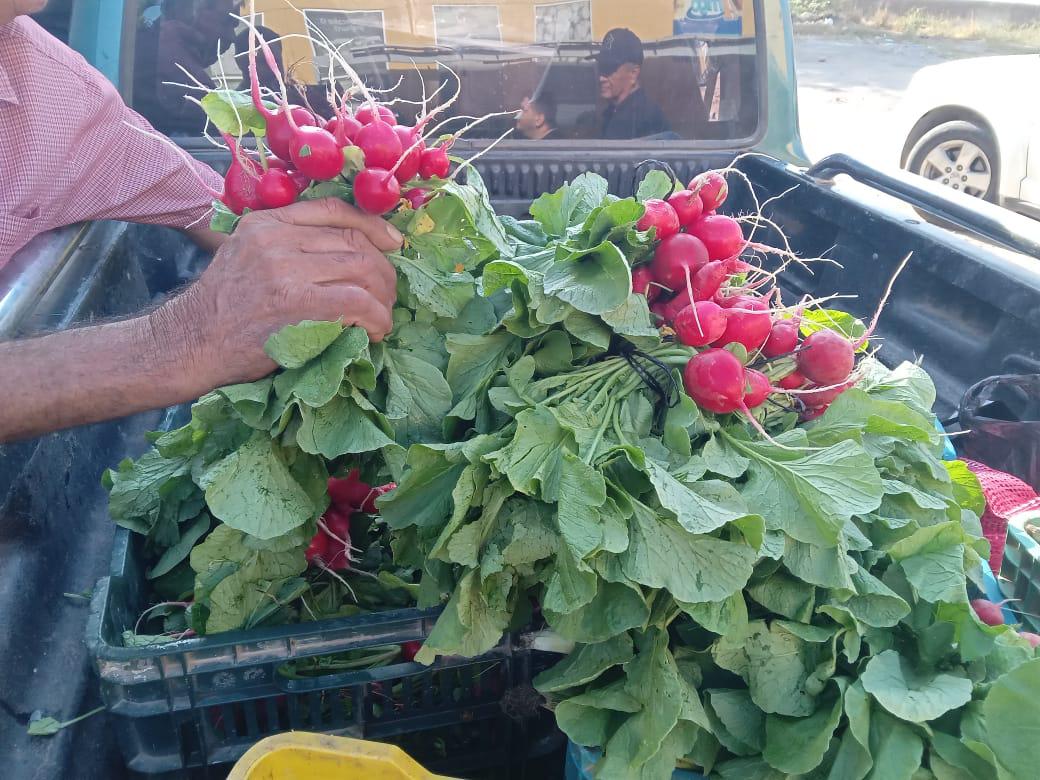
(937, 154)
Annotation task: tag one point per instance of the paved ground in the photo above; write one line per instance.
(848, 87)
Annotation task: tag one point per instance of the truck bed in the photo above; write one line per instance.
(966, 309)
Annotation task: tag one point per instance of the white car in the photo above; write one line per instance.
(974, 126)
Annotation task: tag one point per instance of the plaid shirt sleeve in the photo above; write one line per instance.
(69, 154)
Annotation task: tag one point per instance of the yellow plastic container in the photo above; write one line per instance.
(301, 755)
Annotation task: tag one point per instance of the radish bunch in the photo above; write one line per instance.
(330, 547)
(366, 148)
(696, 284)
(302, 148)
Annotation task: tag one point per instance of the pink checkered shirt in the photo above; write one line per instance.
(65, 154)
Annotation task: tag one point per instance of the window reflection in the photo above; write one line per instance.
(577, 70)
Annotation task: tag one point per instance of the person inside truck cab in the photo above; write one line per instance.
(176, 47)
(629, 113)
(68, 155)
(537, 118)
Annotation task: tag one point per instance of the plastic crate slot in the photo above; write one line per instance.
(271, 722)
(191, 742)
(252, 724)
(407, 695)
(317, 707)
(231, 724)
(376, 700)
(446, 684)
(293, 711)
(339, 708)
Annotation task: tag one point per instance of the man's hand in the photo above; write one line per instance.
(314, 260)
(320, 260)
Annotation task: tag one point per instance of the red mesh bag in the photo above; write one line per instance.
(1006, 496)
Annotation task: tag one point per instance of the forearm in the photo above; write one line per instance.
(91, 374)
(209, 240)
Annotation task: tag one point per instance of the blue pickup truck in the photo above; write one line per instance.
(968, 304)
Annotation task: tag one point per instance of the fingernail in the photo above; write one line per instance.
(394, 233)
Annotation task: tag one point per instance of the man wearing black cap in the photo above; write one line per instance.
(629, 112)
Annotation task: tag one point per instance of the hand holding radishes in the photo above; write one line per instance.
(316, 260)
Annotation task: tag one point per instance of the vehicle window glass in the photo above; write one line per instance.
(55, 17)
(578, 70)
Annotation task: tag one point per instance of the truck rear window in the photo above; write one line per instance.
(565, 71)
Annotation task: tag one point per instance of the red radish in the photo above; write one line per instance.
(721, 235)
(365, 116)
(376, 190)
(345, 128)
(434, 163)
(748, 323)
(674, 256)
(676, 304)
(783, 339)
(348, 493)
(318, 549)
(823, 396)
(280, 131)
(381, 145)
(417, 197)
(315, 153)
(988, 612)
(408, 168)
(792, 381)
(409, 650)
(299, 180)
(276, 189)
(714, 379)
(700, 324)
(688, 206)
(712, 188)
(812, 412)
(708, 279)
(826, 357)
(660, 310)
(241, 182)
(758, 388)
(370, 501)
(737, 266)
(642, 283)
(660, 215)
(337, 523)
(1029, 636)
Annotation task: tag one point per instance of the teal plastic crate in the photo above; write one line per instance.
(1020, 572)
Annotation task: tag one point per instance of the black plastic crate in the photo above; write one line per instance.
(204, 701)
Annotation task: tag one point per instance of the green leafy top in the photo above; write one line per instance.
(793, 607)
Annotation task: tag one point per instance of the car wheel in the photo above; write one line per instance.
(958, 155)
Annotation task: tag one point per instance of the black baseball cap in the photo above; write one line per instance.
(620, 47)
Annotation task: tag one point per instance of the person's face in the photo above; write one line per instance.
(9, 9)
(529, 121)
(619, 83)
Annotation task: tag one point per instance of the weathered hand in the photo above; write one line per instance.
(313, 260)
